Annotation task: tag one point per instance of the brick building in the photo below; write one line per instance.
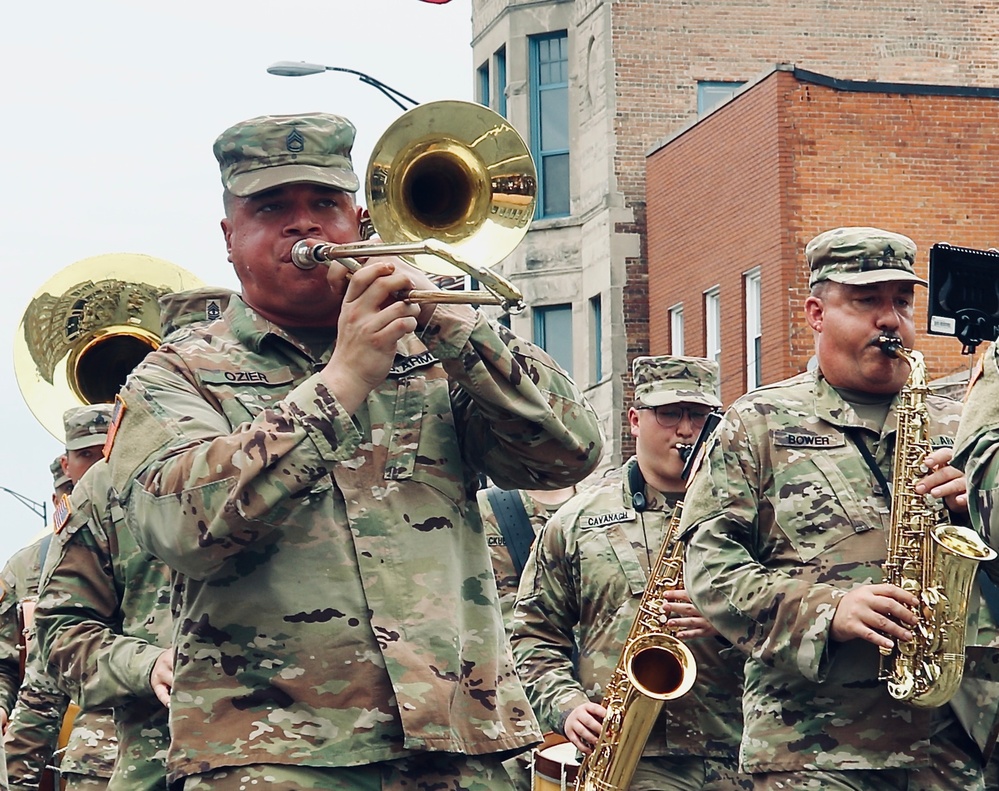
(734, 198)
(594, 84)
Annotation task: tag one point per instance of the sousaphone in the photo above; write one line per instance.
(87, 327)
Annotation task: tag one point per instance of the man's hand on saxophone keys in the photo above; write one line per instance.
(685, 621)
(876, 613)
(944, 482)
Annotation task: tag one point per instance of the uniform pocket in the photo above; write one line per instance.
(815, 505)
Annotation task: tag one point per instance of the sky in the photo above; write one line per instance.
(109, 112)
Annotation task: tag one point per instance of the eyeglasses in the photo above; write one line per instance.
(670, 416)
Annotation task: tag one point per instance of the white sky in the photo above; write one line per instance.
(109, 111)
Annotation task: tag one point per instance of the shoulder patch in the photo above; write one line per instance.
(609, 518)
(63, 510)
(116, 415)
(802, 438)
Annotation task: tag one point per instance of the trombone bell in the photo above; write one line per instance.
(87, 327)
(455, 172)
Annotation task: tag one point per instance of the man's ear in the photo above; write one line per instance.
(64, 463)
(814, 310)
(633, 421)
(227, 233)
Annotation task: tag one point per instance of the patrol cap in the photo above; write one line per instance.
(59, 478)
(272, 150)
(861, 256)
(87, 426)
(673, 380)
(181, 308)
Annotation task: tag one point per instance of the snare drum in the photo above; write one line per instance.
(555, 765)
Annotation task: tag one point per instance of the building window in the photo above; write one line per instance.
(676, 329)
(596, 339)
(500, 60)
(482, 80)
(550, 121)
(711, 94)
(553, 333)
(754, 333)
(712, 324)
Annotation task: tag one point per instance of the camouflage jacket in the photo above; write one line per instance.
(582, 585)
(19, 579)
(32, 737)
(503, 568)
(335, 602)
(975, 452)
(783, 518)
(102, 620)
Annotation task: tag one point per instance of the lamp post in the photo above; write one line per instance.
(291, 68)
(39, 508)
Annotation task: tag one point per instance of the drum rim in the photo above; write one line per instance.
(549, 767)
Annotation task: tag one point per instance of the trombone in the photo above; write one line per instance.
(450, 185)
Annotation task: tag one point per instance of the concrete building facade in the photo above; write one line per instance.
(593, 85)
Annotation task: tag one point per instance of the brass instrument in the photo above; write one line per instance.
(654, 667)
(87, 327)
(927, 556)
(453, 185)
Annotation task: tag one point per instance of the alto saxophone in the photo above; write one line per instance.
(927, 556)
(654, 667)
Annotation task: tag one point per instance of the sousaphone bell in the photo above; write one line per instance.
(87, 327)
(452, 186)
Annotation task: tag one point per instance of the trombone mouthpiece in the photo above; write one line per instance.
(304, 256)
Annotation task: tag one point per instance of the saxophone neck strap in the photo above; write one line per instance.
(857, 437)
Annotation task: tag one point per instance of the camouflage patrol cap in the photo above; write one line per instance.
(272, 150)
(187, 307)
(861, 256)
(674, 380)
(87, 426)
(59, 478)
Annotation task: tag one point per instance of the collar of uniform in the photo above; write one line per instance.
(255, 332)
(830, 407)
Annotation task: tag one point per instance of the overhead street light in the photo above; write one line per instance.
(39, 508)
(291, 68)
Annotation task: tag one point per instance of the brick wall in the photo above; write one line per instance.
(787, 159)
(661, 48)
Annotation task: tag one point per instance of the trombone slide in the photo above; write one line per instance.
(501, 291)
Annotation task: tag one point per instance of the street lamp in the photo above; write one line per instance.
(291, 68)
(39, 508)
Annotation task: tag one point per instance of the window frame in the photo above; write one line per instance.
(537, 88)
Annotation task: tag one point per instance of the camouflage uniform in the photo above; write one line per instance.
(781, 520)
(503, 568)
(581, 590)
(33, 735)
(103, 617)
(20, 580)
(975, 451)
(582, 586)
(334, 597)
(785, 517)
